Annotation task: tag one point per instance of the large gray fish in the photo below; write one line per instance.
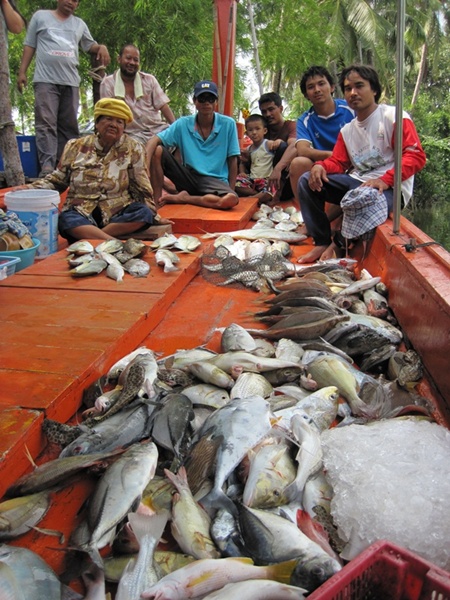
(127, 427)
(25, 575)
(235, 337)
(241, 424)
(270, 538)
(171, 423)
(118, 491)
(54, 472)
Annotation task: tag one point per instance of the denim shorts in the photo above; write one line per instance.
(135, 212)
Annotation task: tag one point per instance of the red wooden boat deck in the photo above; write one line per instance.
(60, 334)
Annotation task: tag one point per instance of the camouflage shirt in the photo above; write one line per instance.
(110, 181)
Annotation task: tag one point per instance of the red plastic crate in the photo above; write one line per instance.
(386, 572)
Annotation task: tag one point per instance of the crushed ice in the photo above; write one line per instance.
(391, 480)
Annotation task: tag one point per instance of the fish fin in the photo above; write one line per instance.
(150, 525)
(218, 499)
(30, 458)
(282, 571)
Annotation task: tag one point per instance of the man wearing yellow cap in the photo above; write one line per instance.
(110, 195)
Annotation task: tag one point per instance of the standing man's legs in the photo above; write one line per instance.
(67, 124)
(46, 106)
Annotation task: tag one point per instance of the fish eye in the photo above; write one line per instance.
(317, 571)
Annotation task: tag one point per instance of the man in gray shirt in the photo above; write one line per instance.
(55, 35)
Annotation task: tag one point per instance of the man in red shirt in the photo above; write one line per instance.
(362, 157)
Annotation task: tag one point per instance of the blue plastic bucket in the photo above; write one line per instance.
(26, 256)
(38, 210)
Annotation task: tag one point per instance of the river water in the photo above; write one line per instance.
(434, 221)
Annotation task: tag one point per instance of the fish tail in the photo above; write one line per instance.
(148, 525)
(281, 571)
(179, 480)
(217, 499)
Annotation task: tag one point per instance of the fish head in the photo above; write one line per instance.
(313, 572)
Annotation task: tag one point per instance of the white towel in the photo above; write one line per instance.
(119, 88)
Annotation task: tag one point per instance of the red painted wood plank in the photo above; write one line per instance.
(19, 430)
(196, 219)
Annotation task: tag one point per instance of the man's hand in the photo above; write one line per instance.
(317, 176)
(379, 184)
(102, 55)
(275, 179)
(21, 81)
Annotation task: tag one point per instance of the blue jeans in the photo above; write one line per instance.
(55, 115)
(312, 204)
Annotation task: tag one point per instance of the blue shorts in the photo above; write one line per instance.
(137, 212)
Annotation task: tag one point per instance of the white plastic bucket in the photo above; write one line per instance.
(38, 210)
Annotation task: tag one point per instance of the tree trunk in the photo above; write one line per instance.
(8, 142)
(420, 75)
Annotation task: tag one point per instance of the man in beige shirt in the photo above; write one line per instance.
(143, 94)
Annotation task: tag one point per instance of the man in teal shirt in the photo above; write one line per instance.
(208, 146)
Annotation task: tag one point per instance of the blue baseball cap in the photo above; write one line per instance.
(203, 87)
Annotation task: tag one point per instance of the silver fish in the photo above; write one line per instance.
(271, 538)
(93, 267)
(126, 427)
(80, 247)
(27, 573)
(109, 246)
(119, 489)
(137, 267)
(263, 234)
(140, 573)
(167, 259)
(210, 373)
(187, 243)
(235, 337)
(251, 384)
(309, 457)
(115, 271)
(241, 424)
(165, 241)
(18, 515)
(249, 362)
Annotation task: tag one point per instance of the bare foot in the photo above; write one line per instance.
(180, 198)
(313, 255)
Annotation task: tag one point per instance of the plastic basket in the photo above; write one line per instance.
(386, 572)
(8, 266)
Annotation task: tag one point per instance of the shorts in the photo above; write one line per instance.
(259, 184)
(135, 212)
(187, 179)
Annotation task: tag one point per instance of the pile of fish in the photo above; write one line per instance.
(214, 484)
(117, 258)
(114, 256)
(255, 258)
